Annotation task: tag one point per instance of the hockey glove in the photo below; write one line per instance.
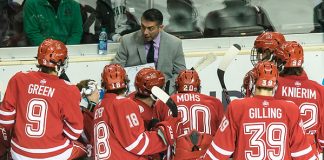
(167, 130)
(152, 124)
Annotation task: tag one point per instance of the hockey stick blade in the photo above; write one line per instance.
(204, 62)
(165, 98)
(229, 55)
(226, 61)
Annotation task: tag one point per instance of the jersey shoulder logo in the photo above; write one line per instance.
(297, 83)
(141, 108)
(43, 82)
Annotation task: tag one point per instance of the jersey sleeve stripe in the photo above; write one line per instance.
(135, 143)
(69, 135)
(220, 150)
(48, 150)
(302, 152)
(64, 155)
(147, 141)
(211, 155)
(320, 140)
(78, 146)
(7, 113)
(77, 131)
(7, 122)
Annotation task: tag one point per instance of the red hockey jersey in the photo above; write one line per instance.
(87, 135)
(88, 126)
(309, 96)
(119, 131)
(200, 113)
(261, 127)
(145, 110)
(44, 113)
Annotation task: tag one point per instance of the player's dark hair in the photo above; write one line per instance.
(117, 91)
(264, 88)
(137, 94)
(46, 69)
(292, 71)
(153, 15)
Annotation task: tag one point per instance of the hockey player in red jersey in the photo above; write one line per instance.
(265, 45)
(119, 131)
(42, 111)
(261, 127)
(294, 85)
(201, 116)
(145, 79)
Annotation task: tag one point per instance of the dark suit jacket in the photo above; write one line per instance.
(171, 58)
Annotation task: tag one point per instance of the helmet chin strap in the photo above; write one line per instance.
(61, 67)
(61, 74)
(127, 89)
(59, 70)
(274, 90)
(253, 89)
(280, 66)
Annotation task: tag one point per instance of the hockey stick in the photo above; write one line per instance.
(165, 98)
(226, 61)
(204, 62)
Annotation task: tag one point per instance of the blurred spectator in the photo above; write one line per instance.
(318, 17)
(237, 19)
(88, 14)
(11, 30)
(113, 15)
(183, 16)
(56, 19)
(3, 3)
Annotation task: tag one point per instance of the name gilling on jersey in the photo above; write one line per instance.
(298, 92)
(41, 90)
(265, 113)
(188, 97)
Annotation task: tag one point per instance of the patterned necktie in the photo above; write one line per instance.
(150, 53)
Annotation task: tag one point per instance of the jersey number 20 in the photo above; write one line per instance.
(191, 115)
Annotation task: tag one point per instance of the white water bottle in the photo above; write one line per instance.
(102, 45)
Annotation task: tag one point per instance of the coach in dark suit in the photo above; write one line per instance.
(152, 45)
